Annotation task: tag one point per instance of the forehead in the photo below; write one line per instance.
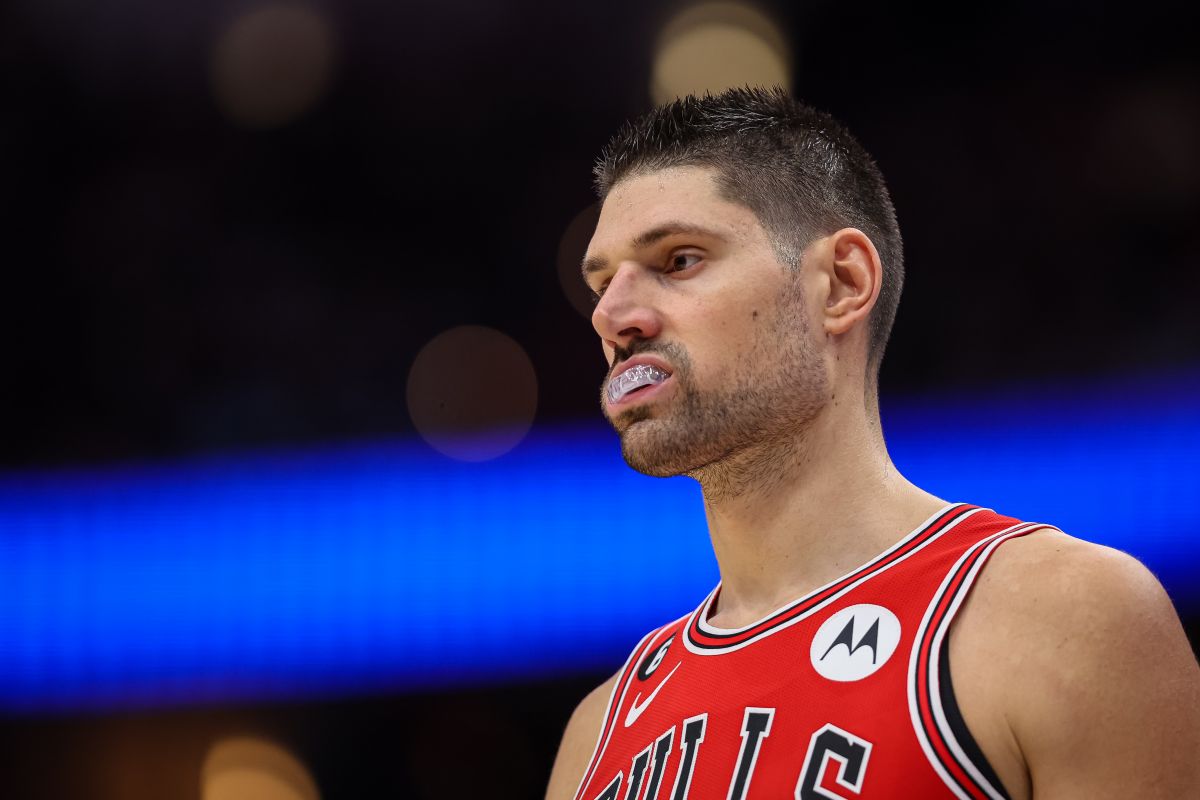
(673, 195)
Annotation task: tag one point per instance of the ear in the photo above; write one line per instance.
(854, 277)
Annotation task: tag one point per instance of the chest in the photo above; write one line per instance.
(818, 705)
(841, 694)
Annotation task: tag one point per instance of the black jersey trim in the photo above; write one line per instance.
(958, 725)
(939, 738)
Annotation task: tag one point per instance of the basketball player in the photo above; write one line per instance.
(867, 640)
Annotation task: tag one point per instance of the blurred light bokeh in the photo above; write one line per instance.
(250, 768)
(472, 393)
(710, 47)
(571, 250)
(272, 64)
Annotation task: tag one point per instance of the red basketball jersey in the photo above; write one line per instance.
(844, 693)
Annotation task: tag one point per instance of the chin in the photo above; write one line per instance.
(651, 448)
(653, 468)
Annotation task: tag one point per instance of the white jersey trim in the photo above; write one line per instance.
(988, 546)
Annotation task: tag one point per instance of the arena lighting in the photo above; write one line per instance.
(571, 249)
(271, 64)
(248, 768)
(387, 566)
(472, 393)
(716, 46)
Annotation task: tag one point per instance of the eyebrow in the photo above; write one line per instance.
(647, 238)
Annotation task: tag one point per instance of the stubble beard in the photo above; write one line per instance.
(740, 435)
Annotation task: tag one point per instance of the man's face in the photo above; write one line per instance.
(705, 331)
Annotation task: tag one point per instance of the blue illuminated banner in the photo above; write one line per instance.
(381, 567)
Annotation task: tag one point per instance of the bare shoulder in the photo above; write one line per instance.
(1056, 592)
(578, 742)
(1082, 582)
(1077, 667)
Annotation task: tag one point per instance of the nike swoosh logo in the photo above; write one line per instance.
(636, 710)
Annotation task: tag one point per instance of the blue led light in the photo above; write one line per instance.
(388, 567)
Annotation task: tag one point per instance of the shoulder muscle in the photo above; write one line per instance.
(1098, 683)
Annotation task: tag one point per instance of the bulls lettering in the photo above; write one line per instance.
(756, 726)
(832, 744)
(833, 755)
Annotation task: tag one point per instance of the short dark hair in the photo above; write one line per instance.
(798, 169)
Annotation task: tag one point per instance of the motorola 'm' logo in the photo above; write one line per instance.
(855, 642)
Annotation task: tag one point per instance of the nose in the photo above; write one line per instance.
(626, 310)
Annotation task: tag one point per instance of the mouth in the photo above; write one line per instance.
(633, 381)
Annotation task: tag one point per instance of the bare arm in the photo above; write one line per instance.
(1089, 674)
(579, 742)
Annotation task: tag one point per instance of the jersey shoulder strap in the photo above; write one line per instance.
(937, 721)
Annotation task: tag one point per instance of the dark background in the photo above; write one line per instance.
(176, 283)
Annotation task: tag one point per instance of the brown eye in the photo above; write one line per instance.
(682, 261)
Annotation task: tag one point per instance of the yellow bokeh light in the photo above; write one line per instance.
(247, 768)
(711, 47)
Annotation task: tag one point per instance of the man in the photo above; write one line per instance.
(748, 266)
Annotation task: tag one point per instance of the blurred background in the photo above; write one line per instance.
(302, 475)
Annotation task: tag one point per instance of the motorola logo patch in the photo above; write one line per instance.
(855, 642)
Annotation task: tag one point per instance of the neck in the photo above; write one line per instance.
(788, 517)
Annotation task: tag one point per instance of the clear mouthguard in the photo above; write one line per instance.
(634, 378)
